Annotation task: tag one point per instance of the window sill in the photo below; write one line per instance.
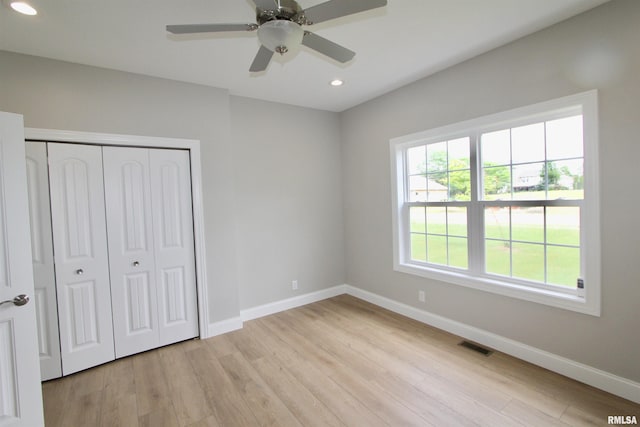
(578, 303)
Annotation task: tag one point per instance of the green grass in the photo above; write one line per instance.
(518, 259)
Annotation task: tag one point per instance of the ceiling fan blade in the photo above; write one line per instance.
(327, 47)
(266, 4)
(261, 61)
(209, 28)
(333, 9)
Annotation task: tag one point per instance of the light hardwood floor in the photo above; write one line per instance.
(337, 362)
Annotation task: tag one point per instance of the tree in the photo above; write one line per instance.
(551, 177)
(497, 179)
(460, 180)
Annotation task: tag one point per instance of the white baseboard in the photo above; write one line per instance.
(224, 326)
(286, 304)
(606, 381)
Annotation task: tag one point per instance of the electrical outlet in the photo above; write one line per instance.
(294, 285)
(421, 296)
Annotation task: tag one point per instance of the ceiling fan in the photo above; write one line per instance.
(279, 26)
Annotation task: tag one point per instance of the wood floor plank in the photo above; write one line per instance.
(530, 416)
(211, 421)
(119, 410)
(306, 369)
(152, 390)
(432, 410)
(55, 394)
(87, 381)
(227, 403)
(187, 396)
(160, 417)
(83, 411)
(337, 362)
(308, 409)
(263, 402)
(353, 378)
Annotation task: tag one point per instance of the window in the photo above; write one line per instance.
(506, 203)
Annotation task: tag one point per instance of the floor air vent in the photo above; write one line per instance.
(476, 348)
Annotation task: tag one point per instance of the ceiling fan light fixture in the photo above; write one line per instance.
(22, 7)
(280, 35)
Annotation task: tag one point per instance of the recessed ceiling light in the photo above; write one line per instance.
(336, 82)
(23, 7)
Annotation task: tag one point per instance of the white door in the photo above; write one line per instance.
(20, 391)
(151, 252)
(131, 258)
(80, 247)
(173, 244)
(42, 260)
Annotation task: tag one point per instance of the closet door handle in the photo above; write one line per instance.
(79, 272)
(136, 263)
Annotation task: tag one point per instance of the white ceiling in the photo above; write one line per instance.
(394, 45)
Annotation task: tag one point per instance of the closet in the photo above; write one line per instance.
(120, 226)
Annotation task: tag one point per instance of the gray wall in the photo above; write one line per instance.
(598, 49)
(282, 222)
(288, 181)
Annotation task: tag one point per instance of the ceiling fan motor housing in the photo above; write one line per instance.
(288, 10)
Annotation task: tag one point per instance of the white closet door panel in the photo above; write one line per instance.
(42, 260)
(80, 246)
(173, 245)
(131, 258)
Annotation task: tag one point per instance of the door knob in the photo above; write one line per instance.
(20, 300)
(136, 263)
(79, 272)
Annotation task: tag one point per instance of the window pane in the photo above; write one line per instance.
(417, 160)
(497, 183)
(417, 219)
(496, 148)
(529, 182)
(457, 221)
(436, 220)
(498, 257)
(527, 143)
(566, 180)
(458, 252)
(459, 154)
(563, 225)
(418, 247)
(564, 138)
(497, 223)
(437, 157)
(417, 188)
(460, 185)
(437, 253)
(528, 261)
(563, 265)
(527, 224)
(437, 187)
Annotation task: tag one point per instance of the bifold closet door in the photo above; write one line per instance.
(174, 245)
(131, 259)
(80, 247)
(42, 260)
(150, 232)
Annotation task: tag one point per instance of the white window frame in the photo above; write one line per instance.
(585, 300)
